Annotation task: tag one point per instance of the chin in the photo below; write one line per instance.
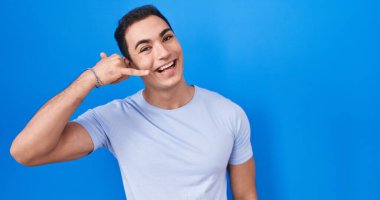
(165, 84)
(169, 84)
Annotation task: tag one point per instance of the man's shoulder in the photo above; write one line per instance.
(218, 101)
(115, 104)
(212, 95)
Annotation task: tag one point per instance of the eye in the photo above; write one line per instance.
(168, 37)
(144, 49)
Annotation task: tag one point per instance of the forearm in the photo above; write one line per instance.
(44, 130)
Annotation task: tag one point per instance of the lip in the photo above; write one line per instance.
(165, 64)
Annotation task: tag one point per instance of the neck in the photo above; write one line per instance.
(172, 98)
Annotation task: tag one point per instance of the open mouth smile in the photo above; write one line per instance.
(168, 66)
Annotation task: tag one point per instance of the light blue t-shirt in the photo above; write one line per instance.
(178, 154)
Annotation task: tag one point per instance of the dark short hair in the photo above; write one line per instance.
(131, 17)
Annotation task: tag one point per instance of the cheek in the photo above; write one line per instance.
(178, 51)
(177, 47)
(144, 62)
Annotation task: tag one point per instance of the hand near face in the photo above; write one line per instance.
(114, 69)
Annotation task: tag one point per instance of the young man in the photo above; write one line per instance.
(173, 141)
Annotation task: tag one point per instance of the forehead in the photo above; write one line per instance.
(147, 28)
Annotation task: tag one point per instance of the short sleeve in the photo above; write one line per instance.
(242, 148)
(91, 121)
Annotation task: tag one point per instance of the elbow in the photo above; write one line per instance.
(248, 196)
(20, 156)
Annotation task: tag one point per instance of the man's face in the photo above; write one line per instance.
(152, 45)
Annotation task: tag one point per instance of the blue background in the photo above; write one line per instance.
(306, 73)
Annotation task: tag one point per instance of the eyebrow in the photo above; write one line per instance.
(148, 40)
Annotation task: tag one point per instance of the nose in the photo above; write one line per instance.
(162, 52)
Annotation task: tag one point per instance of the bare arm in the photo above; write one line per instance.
(48, 137)
(43, 131)
(242, 179)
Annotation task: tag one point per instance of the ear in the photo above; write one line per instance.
(128, 63)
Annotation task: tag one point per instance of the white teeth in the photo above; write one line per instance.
(166, 66)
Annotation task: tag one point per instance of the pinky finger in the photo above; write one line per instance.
(134, 72)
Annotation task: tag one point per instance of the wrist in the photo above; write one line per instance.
(87, 78)
(98, 82)
(82, 85)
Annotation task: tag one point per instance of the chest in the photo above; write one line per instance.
(173, 146)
